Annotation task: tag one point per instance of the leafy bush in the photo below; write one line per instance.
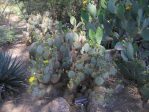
(91, 18)
(126, 21)
(10, 7)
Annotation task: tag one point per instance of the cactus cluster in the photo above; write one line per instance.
(40, 27)
(90, 63)
(71, 57)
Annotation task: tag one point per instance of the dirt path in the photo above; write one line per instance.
(19, 50)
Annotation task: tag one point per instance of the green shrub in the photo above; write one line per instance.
(6, 35)
(126, 21)
(136, 71)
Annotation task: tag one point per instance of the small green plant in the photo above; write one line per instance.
(91, 16)
(126, 49)
(12, 76)
(6, 35)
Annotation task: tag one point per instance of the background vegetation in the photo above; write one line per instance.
(70, 39)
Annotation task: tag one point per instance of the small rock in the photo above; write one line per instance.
(119, 89)
(40, 102)
(10, 107)
(57, 105)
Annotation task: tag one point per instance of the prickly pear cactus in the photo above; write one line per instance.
(59, 60)
(91, 63)
(40, 27)
(71, 59)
